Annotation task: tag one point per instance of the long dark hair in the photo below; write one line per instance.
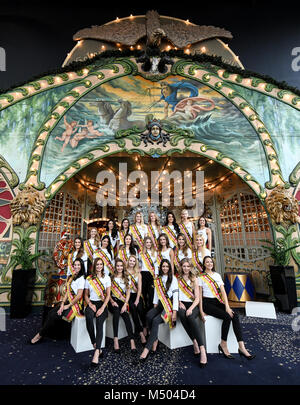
(132, 248)
(108, 246)
(93, 272)
(82, 269)
(203, 264)
(176, 226)
(167, 240)
(122, 224)
(170, 274)
(81, 250)
(198, 223)
(114, 232)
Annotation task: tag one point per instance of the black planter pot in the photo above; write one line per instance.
(284, 287)
(22, 287)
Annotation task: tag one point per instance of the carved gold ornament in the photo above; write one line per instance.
(27, 207)
(282, 207)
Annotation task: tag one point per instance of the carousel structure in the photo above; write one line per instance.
(146, 94)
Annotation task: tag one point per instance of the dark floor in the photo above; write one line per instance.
(54, 362)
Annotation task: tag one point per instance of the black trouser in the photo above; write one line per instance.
(137, 312)
(212, 306)
(116, 312)
(154, 319)
(193, 329)
(89, 318)
(52, 317)
(147, 289)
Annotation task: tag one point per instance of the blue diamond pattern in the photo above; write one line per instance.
(238, 287)
(249, 288)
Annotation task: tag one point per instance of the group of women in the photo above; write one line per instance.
(153, 273)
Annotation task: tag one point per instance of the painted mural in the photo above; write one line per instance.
(128, 102)
(19, 126)
(282, 121)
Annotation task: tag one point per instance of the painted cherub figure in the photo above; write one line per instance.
(71, 128)
(90, 127)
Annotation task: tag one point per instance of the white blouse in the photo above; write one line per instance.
(166, 254)
(172, 292)
(93, 295)
(84, 258)
(206, 292)
(136, 278)
(171, 244)
(121, 283)
(203, 233)
(181, 255)
(154, 260)
(182, 296)
(78, 284)
(207, 253)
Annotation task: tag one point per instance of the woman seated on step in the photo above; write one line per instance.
(188, 311)
(71, 305)
(214, 302)
(96, 295)
(165, 305)
(119, 303)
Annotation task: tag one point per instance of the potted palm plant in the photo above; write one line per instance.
(282, 275)
(23, 278)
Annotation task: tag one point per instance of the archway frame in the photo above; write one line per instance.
(123, 67)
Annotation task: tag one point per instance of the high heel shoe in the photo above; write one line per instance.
(252, 356)
(227, 356)
(133, 351)
(118, 351)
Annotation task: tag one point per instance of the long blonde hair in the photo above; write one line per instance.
(97, 236)
(136, 266)
(157, 223)
(124, 272)
(153, 250)
(203, 248)
(142, 220)
(185, 247)
(192, 273)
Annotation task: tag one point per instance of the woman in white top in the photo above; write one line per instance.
(119, 303)
(187, 228)
(181, 251)
(114, 236)
(204, 230)
(138, 230)
(105, 253)
(79, 253)
(124, 230)
(171, 229)
(136, 304)
(91, 245)
(189, 308)
(128, 249)
(214, 302)
(153, 228)
(199, 253)
(149, 269)
(96, 295)
(164, 251)
(165, 304)
(67, 311)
